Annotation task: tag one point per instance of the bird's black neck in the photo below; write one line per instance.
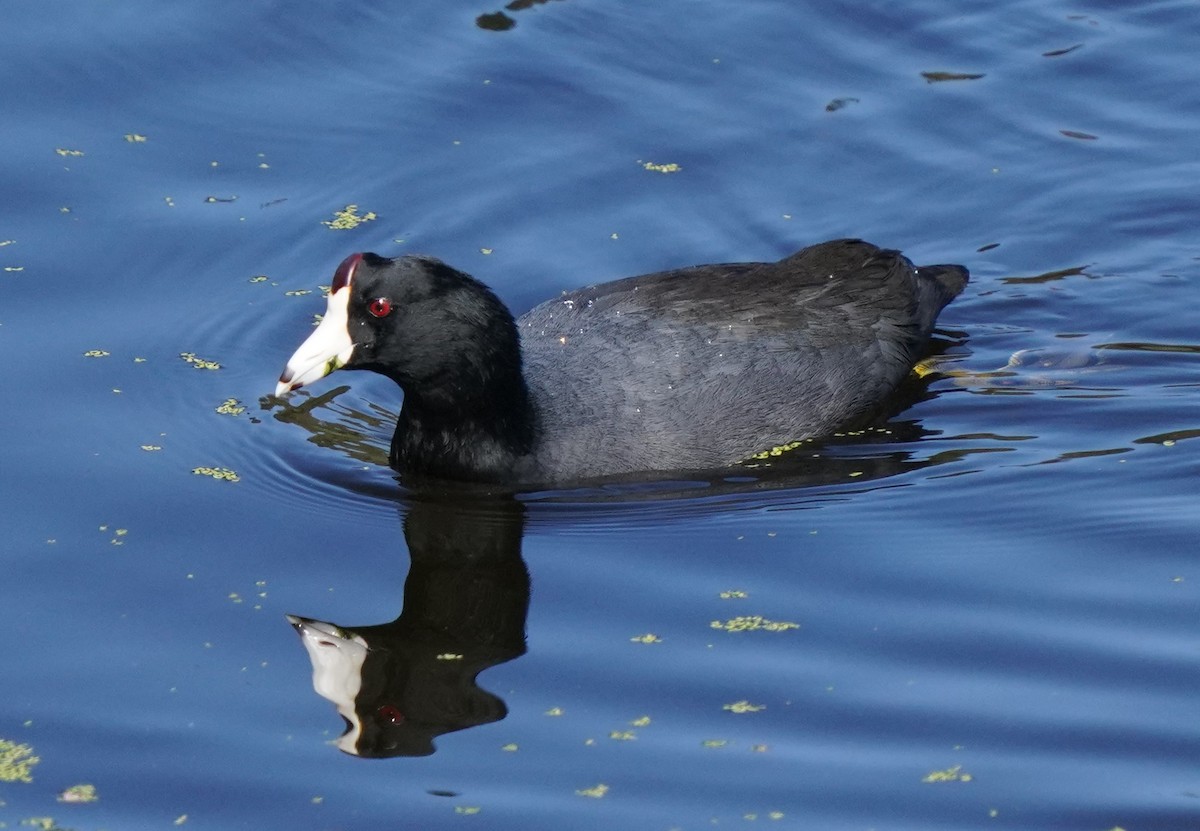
(482, 434)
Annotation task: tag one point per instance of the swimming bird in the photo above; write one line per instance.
(691, 369)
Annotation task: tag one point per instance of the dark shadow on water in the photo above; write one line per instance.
(499, 21)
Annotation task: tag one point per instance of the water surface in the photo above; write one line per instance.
(981, 616)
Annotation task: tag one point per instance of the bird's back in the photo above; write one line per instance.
(702, 367)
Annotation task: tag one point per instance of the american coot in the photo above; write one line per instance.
(697, 368)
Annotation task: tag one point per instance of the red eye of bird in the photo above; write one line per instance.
(389, 714)
(380, 307)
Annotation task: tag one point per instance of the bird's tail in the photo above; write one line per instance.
(938, 285)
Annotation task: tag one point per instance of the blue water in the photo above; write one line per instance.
(999, 595)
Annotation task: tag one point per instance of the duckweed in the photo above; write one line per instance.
(950, 774)
(744, 707)
(778, 450)
(16, 762)
(198, 363)
(232, 407)
(79, 793)
(217, 473)
(750, 623)
(347, 218)
(44, 824)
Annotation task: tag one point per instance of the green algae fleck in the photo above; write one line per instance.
(744, 707)
(232, 407)
(661, 168)
(950, 774)
(750, 623)
(198, 363)
(347, 218)
(217, 473)
(79, 794)
(16, 762)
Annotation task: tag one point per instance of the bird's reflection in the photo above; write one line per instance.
(400, 685)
